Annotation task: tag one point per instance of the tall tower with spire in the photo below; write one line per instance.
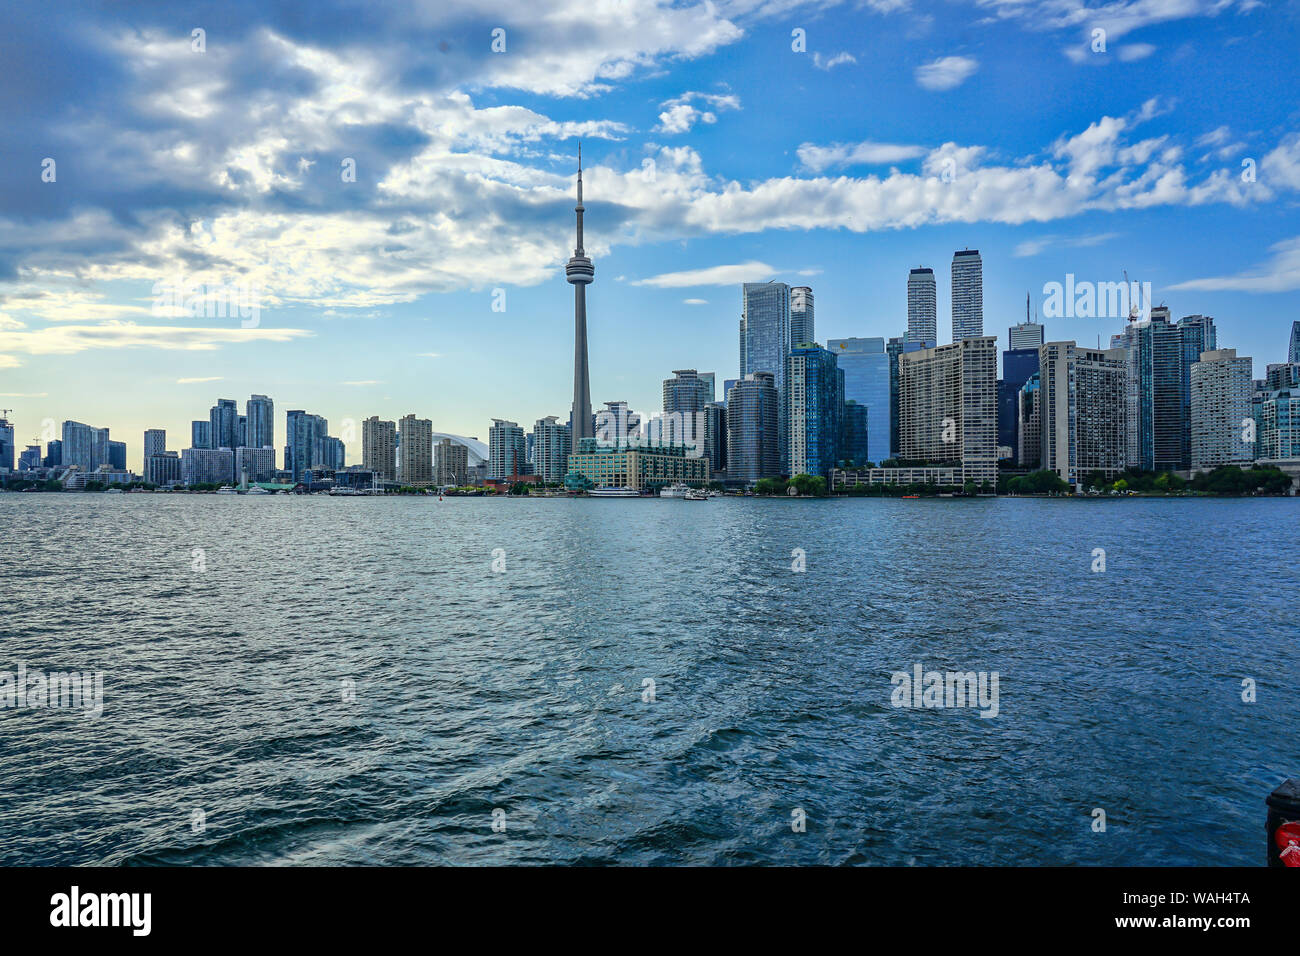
(580, 272)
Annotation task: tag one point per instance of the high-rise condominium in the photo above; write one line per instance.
(802, 327)
(84, 446)
(922, 307)
(685, 396)
(415, 445)
(867, 381)
(814, 409)
(1221, 410)
(551, 443)
(6, 444)
(450, 463)
(1293, 349)
(765, 340)
(379, 447)
(1029, 429)
(967, 295)
(224, 420)
(507, 449)
(201, 434)
(1082, 418)
(948, 402)
(304, 442)
(894, 348)
(753, 451)
(155, 442)
(260, 422)
(715, 435)
(1279, 424)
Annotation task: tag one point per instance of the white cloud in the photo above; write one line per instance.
(200, 379)
(829, 63)
(1130, 52)
(946, 73)
(713, 275)
(680, 114)
(67, 339)
(818, 158)
(695, 301)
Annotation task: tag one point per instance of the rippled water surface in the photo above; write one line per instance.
(224, 688)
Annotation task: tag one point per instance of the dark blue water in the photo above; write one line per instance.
(521, 691)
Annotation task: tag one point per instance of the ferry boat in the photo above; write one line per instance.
(257, 490)
(697, 494)
(678, 489)
(624, 492)
(226, 490)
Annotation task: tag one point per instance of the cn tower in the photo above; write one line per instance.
(580, 272)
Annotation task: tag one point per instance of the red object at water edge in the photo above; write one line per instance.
(1287, 839)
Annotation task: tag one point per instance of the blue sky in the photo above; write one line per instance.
(715, 152)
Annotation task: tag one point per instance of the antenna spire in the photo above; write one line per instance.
(579, 208)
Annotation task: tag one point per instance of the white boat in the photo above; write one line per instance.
(226, 490)
(257, 490)
(697, 494)
(678, 489)
(624, 492)
(113, 491)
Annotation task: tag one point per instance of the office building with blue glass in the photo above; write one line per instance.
(868, 381)
(814, 409)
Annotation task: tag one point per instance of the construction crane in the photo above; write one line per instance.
(1130, 289)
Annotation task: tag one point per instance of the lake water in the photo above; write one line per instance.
(315, 680)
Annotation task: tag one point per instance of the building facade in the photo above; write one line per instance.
(1082, 417)
(507, 450)
(753, 418)
(415, 446)
(379, 447)
(922, 307)
(450, 463)
(551, 446)
(803, 328)
(948, 404)
(868, 381)
(967, 295)
(1221, 417)
(814, 409)
(641, 469)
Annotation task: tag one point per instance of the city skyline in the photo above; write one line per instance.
(698, 189)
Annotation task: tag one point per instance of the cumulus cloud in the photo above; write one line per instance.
(946, 73)
(680, 114)
(1280, 274)
(829, 63)
(818, 158)
(751, 271)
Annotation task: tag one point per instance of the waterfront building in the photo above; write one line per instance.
(7, 447)
(117, 455)
(551, 446)
(685, 395)
(207, 466)
(84, 446)
(1279, 425)
(1155, 410)
(258, 464)
(415, 445)
(223, 419)
(305, 437)
(948, 403)
(1293, 348)
(868, 381)
(333, 454)
(616, 424)
(802, 325)
(944, 476)
(162, 468)
(451, 463)
(1018, 364)
(507, 454)
(201, 434)
(967, 295)
(753, 418)
(1199, 336)
(1029, 427)
(379, 447)
(1280, 375)
(155, 442)
(765, 342)
(922, 307)
(715, 436)
(29, 458)
(1221, 391)
(894, 348)
(641, 468)
(814, 409)
(855, 440)
(260, 422)
(1082, 417)
(53, 454)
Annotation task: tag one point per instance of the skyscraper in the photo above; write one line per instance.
(1293, 350)
(814, 409)
(685, 395)
(201, 434)
(1082, 416)
(948, 401)
(304, 442)
(1156, 412)
(224, 421)
(856, 435)
(1279, 424)
(507, 452)
(155, 442)
(379, 447)
(1018, 364)
(1029, 429)
(715, 435)
(765, 341)
(896, 347)
(1220, 409)
(415, 442)
(802, 326)
(551, 443)
(922, 307)
(260, 415)
(84, 446)
(867, 381)
(1025, 335)
(580, 273)
(753, 451)
(967, 295)
(6, 444)
(1198, 336)
(450, 463)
